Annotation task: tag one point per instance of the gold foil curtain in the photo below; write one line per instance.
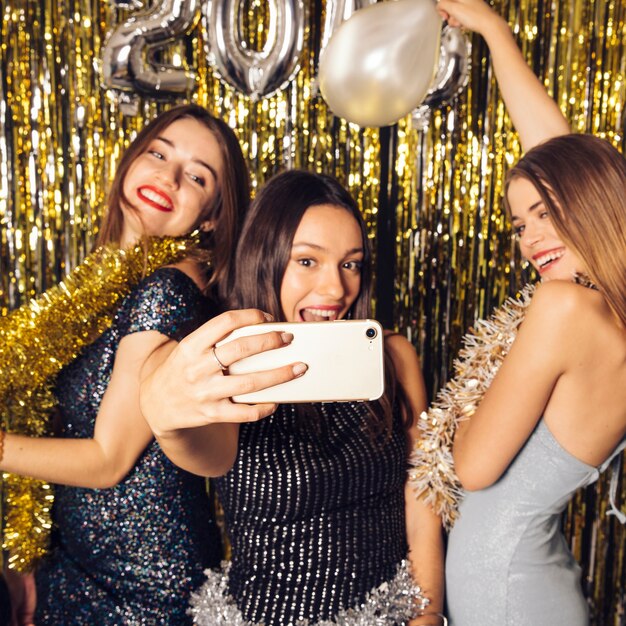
(61, 135)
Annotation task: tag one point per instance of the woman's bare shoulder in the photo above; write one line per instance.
(575, 311)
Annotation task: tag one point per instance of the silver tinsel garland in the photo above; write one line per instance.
(431, 471)
(393, 602)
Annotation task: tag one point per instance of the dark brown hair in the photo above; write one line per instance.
(581, 180)
(227, 208)
(264, 251)
(265, 245)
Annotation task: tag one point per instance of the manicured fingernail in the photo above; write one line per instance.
(268, 317)
(286, 337)
(299, 369)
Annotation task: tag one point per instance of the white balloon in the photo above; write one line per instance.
(380, 63)
(335, 14)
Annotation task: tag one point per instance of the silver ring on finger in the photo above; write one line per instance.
(221, 365)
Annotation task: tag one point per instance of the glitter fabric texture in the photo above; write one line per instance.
(130, 554)
(36, 342)
(315, 515)
(507, 562)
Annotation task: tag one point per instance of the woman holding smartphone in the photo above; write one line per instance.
(314, 494)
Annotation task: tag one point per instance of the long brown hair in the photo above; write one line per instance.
(582, 182)
(264, 251)
(226, 210)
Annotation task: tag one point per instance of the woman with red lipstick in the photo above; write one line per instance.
(133, 532)
(314, 498)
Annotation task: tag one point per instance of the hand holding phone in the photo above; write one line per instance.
(345, 360)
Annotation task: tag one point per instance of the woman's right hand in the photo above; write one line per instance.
(184, 386)
(534, 114)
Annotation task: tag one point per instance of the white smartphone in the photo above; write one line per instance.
(345, 361)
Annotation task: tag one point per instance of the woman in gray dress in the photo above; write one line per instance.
(554, 415)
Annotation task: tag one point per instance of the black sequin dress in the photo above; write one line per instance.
(133, 553)
(316, 519)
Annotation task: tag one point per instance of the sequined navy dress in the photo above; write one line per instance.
(133, 553)
(316, 522)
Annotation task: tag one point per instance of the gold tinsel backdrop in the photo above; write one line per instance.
(431, 197)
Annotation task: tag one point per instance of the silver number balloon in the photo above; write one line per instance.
(337, 12)
(128, 59)
(453, 69)
(258, 74)
(132, 5)
(451, 77)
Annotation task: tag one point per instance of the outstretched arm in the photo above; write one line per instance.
(186, 397)
(120, 434)
(424, 528)
(535, 115)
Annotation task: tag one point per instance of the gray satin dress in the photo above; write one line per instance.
(508, 563)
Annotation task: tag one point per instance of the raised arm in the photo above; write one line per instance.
(185, 395)
(535, 115)
(120, 434)
(424, 528)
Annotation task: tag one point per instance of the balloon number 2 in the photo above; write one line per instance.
(128, 59)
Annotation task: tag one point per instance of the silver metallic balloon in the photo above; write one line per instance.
(257, 74)
(453, 68)
(132, 5)
(379, 64)
(128, 57)
(451, 78)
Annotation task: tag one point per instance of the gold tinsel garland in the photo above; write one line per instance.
(432, 473)
(36, 342)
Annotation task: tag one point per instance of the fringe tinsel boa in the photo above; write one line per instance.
(36, 342)
(393, 602)
(431, 472)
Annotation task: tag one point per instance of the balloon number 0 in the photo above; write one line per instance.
(257, 74)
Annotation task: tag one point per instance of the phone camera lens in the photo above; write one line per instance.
(370, 333)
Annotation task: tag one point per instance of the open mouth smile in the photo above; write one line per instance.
(315, 314)
(545, 260)
(155, 198)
